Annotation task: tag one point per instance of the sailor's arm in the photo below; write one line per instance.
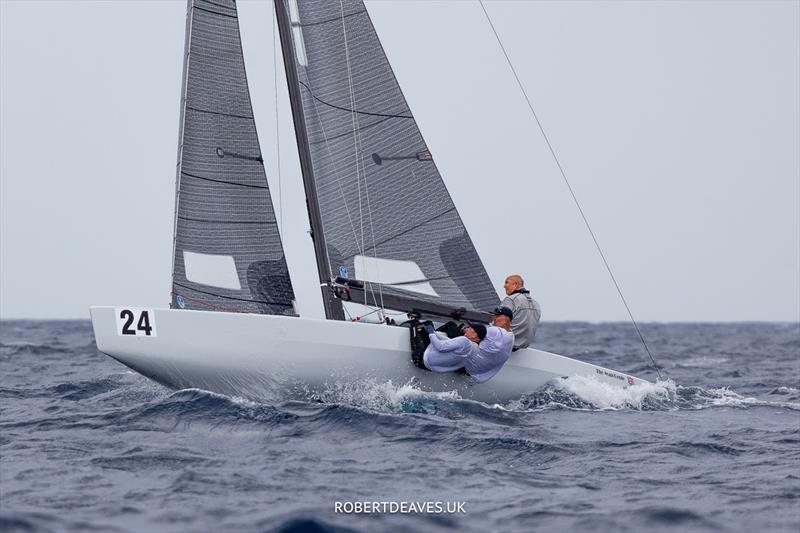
(446, 345)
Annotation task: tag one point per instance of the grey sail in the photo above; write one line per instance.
(387, 217)
(227, 251)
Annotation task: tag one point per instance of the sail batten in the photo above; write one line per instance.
(228, 255)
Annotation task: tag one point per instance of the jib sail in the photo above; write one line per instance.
(227, 251)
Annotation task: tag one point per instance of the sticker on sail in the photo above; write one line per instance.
(344, 272)
(135, 322)
(181, 302)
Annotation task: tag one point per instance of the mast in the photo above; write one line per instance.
(333, 306)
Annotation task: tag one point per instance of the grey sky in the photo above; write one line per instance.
(678, 124)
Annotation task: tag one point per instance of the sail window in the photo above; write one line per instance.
(404, 275)
(297, 33)
(212, 270)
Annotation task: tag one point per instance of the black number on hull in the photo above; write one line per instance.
(128, 317)
(144, 323)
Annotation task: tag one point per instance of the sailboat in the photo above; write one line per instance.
(388, 239)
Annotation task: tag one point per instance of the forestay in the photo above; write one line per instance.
(386, 214)
(227, 252)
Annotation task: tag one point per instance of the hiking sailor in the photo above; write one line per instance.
(462, 353)
(527, 311)
(449, 355)
(495, 349)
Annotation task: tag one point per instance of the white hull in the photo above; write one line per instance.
(274, 357)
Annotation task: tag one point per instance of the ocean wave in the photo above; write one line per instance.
(81, 390)
(348, 402)
(790, 393)
(383, 396)
(588, 393)
(574, 393)
(197, 405)
(17, 348)
(702, 361)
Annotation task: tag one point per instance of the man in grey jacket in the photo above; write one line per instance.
(527, 311)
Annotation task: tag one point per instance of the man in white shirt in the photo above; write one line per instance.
(495, 349)
(448, 355)
(493, 353)
(481, 361)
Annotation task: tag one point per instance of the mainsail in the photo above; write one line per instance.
(387, 217)
(227, 252)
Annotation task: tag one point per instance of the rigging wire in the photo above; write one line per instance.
(325, 137)
(360, 168)
(571, 191)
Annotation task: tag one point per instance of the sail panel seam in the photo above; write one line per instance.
(315, 97)
(213, 221)
(218, 5)
(335, 19)
(224, 181)
(214, 12)
(219, 113)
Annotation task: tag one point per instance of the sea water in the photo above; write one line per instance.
(88, 445)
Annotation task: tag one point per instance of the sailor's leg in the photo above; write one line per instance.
(419, 342)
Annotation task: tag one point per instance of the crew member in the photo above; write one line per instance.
(526, 311)
(449, 355)
(493, 352)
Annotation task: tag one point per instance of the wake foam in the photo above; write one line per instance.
(573, 393)
(603, 395)
(384, 396)
(588, 393)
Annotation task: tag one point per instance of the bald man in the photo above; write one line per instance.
(527, 311)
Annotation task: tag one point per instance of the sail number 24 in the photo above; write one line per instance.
(136, 322)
